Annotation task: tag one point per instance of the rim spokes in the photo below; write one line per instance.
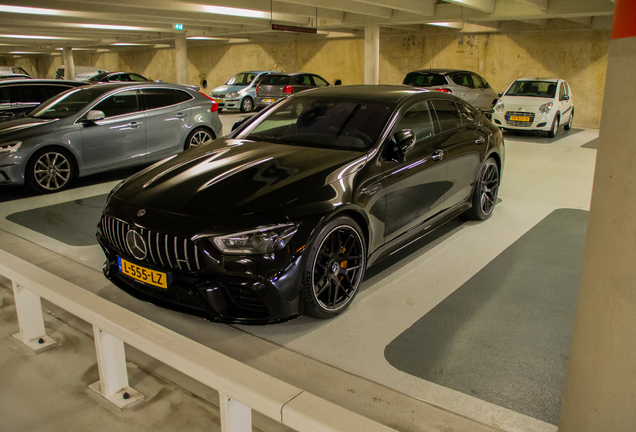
(200, 138)
(338, 268)
(489, 187)
(52, 171)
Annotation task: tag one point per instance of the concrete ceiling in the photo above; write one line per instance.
(45, 26)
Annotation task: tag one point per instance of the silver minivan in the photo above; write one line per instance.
(98, 128)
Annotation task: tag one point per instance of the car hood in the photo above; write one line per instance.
(526, 101)
(26, 126)
(237, 177)
(228, 88)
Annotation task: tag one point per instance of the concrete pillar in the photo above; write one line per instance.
(371, 54)
(69, 64)
(181, 59)
(600, 384)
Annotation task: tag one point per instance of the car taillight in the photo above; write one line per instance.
(257, 89)
(215, 104)
(287, 89)
(444, 89)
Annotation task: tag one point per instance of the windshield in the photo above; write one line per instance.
(543, 89)
(241, 79)
(322, 122)
(99, 77)
(68, 103)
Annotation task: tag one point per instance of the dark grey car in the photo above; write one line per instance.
(276, 86)
(471, 87)
(19, 96)
(97, 128)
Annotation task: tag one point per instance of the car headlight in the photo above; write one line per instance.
(259, 241)
(499, 106)
(233, 94)
(10, 147)
(545, 108)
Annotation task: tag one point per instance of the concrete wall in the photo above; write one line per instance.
(578, 56)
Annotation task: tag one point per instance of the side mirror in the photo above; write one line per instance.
(565, 97)
(405, 140)
(500, 94)
(95, 115)
(159, 80)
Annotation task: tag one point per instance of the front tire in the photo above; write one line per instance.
(50, 170)
(555, 127)
(198, 137)
(334, 268)
(485, 192)
(247, 105)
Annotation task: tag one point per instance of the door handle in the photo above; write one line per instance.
(480, 140)
(438, 155)
(135, 125)
(180, 115)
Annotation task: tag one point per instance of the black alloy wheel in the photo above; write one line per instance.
(335, 268)
(485, 193)
(50, 170)
(198, 137)
(247, 104)
(569, 125)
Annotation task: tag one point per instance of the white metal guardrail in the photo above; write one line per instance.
(241, 388)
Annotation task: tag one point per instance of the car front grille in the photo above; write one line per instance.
(162, 250)
(218, 95)
(517, 123)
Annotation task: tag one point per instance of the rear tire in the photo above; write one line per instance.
(485, 193)
(198, 137)
(50, 170)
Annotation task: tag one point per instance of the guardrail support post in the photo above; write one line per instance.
(28, 307)
(235, 416)
(113, 374)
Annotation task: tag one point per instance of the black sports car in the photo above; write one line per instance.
(281, 217)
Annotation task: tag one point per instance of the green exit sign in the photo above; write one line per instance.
(178, 26)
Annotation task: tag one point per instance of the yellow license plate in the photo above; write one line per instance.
(142, 274)
(217, 100)
(519, 118)
(269, 100)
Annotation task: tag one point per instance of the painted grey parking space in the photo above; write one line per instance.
(504, 336)
(591, 145)
(535, 137)
(73, 223)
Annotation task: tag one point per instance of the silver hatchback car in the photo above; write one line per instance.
(103, 127)
(471, 87)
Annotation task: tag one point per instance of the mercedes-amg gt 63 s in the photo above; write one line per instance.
(281, 217)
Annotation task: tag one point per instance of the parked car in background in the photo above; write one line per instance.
(239, 91)
(7, 70)
(97, 128)
(104, 77)
(14, 76)
(19, 96)
(471, 87)
(540, 104)
(282, 216)
(82, 73)
(276, 86)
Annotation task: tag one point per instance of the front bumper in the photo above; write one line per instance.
(228, 103)
(236, 289)
(536, 122)
(11, 170)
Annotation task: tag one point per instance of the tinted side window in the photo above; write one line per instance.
(53, 90)
(304, 80)
(5, 94)
(562, 91)
(463, 79)
(275, 80)
(467, 114)
(418, 119)
(184, 95)
(158, 97)
(121, 103)
(424, 79)
(136, 78)
(479, 81)
(447, 114)
(320, 82)
(30, 94)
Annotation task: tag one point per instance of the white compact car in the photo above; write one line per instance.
(540, 104)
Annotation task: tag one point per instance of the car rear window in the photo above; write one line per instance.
(421, 79)
(274, 80)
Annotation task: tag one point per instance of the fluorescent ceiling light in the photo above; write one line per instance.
(455, 25)
(246, 13)
(108, 27)
(25, 52)
(238, 40)
(13, 36)
(204, 38)
(128, 44)
(29, 10)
